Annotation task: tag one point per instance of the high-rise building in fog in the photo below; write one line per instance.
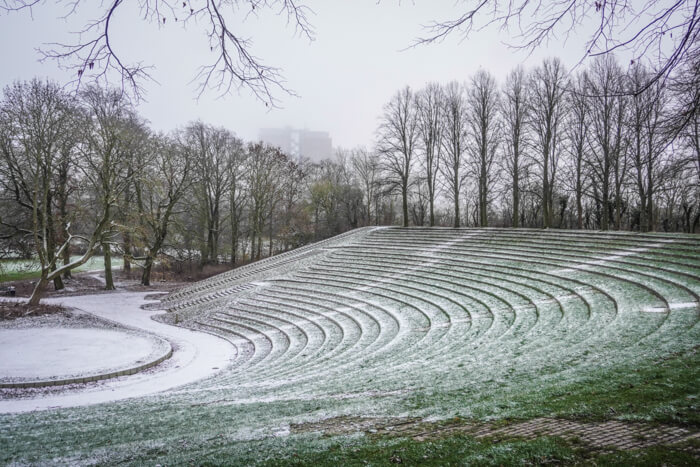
(314, 145)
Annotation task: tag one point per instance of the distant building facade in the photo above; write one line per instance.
(314, 145)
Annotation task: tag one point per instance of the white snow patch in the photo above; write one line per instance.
(197, 355)
(613, 257)
(682, 306)
(56, 353)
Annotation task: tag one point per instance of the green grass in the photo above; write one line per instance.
(605, 361)
(21, 269)
(661, 391)
(173, 431)
(464, 450)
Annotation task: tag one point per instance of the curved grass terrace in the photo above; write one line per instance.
(486, 327)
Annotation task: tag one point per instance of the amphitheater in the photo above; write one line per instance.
(391, 310)
(387, 345)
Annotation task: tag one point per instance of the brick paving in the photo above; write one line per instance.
(610, 434)
(597, 435)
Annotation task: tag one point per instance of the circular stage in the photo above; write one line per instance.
(51, 356)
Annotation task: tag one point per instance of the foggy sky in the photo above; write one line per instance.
(343, 77)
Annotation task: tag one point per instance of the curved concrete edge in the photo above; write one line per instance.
(89, 379)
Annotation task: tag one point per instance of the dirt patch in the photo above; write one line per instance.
(78, 284)
(183, 274)
(22, 288)
(14, 310)
(158, 288)
(346, 425)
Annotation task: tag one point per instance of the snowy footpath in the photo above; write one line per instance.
(196, 356)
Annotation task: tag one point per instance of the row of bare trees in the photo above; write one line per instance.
(600, 148)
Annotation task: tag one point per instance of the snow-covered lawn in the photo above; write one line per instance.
(11, 267)
(394, 322)
(49, 353)
(196, 355)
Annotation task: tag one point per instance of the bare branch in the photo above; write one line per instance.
(93, 57)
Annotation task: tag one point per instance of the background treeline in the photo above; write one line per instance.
(597, 149)
(602, 148)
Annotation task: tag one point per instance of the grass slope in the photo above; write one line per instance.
(20, 269)
(484, 325)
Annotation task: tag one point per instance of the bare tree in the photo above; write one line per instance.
(263, 178)
(295, 226)
(164, 174)
(665, 32)
(483, 102)
(693, 142)
(608, 107)
(455, 127)
(398, 135)
(95, 56)
(238, 192)
(649, 139)
(366, 168)
(210, 148)
(548, 87)
(515, 108)
(577, 131)
(430, 107)
(111, 130)
(686, 90)
(38, 116)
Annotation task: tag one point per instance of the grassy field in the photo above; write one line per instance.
(424, 326)
(20, 269)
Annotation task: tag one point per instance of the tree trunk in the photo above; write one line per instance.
(109, 280)
(211, 254)
(51, 245)
(579, 211)
(516, 197)
(270, 238)
(146, 275)
(127, 252)
(606, 199)
(234, 241)
(63, 208)
(618, 213)
(545, 191)
(38, 290)
(650, 200)
(457, 214)
(483, 195)
(404, 200)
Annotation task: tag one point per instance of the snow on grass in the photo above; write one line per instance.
(420, 322)
(11, 269)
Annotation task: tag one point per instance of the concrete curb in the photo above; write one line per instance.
(88, 379)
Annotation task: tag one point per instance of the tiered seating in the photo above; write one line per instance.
(390, 309)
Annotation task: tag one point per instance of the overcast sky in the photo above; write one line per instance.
(342, 78)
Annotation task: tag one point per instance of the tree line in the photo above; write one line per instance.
(602, 148)
(597, 149)
(85, 174)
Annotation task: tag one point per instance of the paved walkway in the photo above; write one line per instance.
(196, 356)
(610, 434)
